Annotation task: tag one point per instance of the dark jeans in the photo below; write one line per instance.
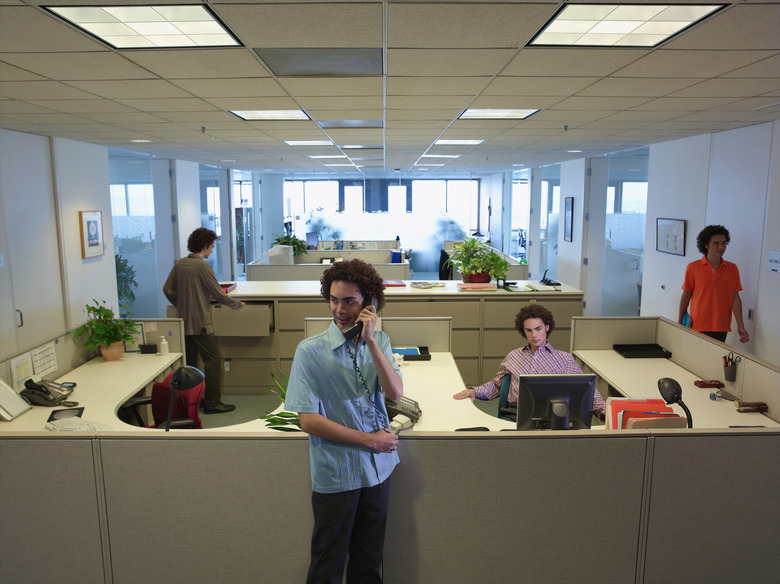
(205, 345)
(717, 335)
(350, 522)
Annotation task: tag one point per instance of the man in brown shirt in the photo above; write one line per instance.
(190, 287)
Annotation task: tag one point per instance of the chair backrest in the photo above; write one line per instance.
(504, 395)
(186, 403)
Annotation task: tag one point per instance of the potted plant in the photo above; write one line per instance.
(468, 258)
(298, 245)
(282, 421)
(492, 264)
(105, 332)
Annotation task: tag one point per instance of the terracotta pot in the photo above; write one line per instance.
(113, 352)
(476, 278)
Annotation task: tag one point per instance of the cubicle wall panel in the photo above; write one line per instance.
(50, 525)
(290, 314)
(464, 313)
(598, 334)
(714, 513)
(206, 511)
(520, 509)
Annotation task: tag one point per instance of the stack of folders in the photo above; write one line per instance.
(627, 414)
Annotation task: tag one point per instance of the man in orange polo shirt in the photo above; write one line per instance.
(712, 288)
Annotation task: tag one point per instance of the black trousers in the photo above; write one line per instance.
(717, 335)
(205, 346)
(350, 523)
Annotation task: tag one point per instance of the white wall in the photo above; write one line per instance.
(570, 252)
(593, 230)
(729, 178)
(186, 207)
(268, 209)
(767, 320)
(82, 184)
(163, 224)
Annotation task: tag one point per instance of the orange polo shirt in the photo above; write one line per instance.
(712, 294)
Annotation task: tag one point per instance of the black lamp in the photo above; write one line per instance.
(183, 378)
(672, 394)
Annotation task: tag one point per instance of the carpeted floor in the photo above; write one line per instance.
(248, 407)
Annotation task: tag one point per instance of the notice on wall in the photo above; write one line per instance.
(774, 261)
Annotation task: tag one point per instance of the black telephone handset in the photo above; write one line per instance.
(547, 281)
(354, 330)
(38, 395)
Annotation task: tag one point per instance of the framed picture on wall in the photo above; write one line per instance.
(568, 218)
(91, 225)
(670, 236)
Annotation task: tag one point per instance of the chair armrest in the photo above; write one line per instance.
(179, 424)
(136, 401)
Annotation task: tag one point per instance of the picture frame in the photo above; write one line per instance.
(91, 229)
(139, 338)
(670, 236)
(568, 218)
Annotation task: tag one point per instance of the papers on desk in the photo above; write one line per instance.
(626, 413)
(539, 287)
(466, 286)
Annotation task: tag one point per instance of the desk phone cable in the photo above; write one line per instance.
(377, 414)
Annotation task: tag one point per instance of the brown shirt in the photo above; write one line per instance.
(190, 287)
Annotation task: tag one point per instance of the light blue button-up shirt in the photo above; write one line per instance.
(324, 381)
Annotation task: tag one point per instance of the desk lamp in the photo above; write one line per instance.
(672, 394)
(183, 378)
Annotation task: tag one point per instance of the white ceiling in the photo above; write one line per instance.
(439, 58)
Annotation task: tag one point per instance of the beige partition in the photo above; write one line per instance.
(52, 527)
(714, 513)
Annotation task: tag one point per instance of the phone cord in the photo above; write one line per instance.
(378, 414)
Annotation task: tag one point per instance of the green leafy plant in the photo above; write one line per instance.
(125, 281)
(282, 421)
(470, 256)
(299, 247)
(493, 264)
(103, 327)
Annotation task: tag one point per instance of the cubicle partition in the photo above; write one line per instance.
(651, 507)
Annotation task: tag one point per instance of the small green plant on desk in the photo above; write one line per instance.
(104, 329)
(299, 247)
(282, 421)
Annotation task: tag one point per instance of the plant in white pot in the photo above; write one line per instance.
(105, 332)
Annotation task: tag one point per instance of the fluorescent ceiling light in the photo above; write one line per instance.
(135, 27)
(427, 164)
(497, 114)
(308, 142)
(458, 142)
(574, 151)
(270, 114)
(634, 25)
(140, 141)
(342, 164)
(441, 155)
(329, 156)
(359, 147)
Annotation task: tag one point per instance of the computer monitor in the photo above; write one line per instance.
(555, 402)
(312, 240)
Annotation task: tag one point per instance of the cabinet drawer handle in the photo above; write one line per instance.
(21, 318)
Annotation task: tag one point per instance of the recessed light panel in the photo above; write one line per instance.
(134, 27)
(308, 142)
(458, 142)
(618, 25)
(497, 114)
(270, 114)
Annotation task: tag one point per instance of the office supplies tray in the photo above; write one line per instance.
(642, 351)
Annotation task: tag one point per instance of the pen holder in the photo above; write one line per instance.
(730, 371)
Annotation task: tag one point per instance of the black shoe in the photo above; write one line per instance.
(218, 408)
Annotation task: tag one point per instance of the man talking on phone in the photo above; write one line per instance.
(336, 386)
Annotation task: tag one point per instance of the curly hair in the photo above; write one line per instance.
(534, 311)
(703, 239)
(200, 239)
(358, 272)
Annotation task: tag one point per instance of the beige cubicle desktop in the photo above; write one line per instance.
(482, 325)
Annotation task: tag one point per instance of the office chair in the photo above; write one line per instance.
(504, 395)
(189, 384)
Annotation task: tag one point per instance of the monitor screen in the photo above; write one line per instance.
(555, 402)
(312, 239)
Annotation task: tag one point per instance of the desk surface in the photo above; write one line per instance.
(308, 288)
(638, 378)
(101, 386)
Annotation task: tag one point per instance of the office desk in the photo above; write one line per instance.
(101, 387)
(638, 378)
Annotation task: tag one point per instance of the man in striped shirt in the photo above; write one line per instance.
(535, 323)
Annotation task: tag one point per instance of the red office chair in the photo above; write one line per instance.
(178, 396)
